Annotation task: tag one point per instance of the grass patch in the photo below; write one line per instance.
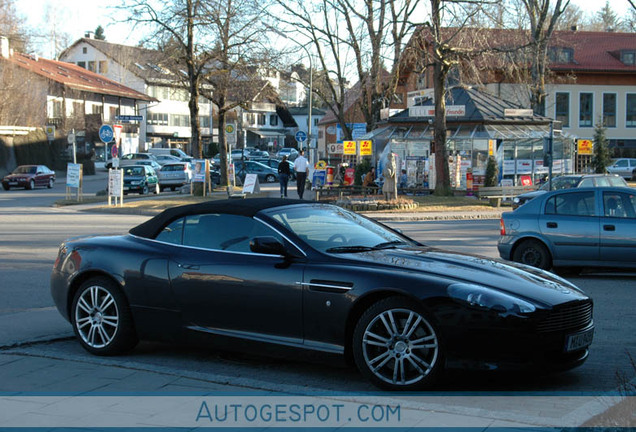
(428, 203)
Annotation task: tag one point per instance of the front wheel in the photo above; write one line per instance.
(101, 318)
(50, 185)
(31, 185)
(144, 190)
(396, 346)
(533, 253)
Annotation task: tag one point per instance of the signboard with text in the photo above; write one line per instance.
(585, 147)
(73, 175)
(366, 148)
(349, 147)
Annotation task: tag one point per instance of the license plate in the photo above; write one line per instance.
(126, 188)
(13, 183)
(579, 340)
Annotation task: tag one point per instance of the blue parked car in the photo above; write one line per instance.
(581, 227)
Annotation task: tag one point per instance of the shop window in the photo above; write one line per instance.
(609, 110)
(630, 114)
(586, 109)
(563, 108)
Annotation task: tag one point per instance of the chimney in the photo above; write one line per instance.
(574, 28)
(4, 47)
(89, 34)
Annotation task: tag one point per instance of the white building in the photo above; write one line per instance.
(165, 123)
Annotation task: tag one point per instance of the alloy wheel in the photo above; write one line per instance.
(96, 317)
(400, 347)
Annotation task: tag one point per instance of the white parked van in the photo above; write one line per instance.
(170, 151)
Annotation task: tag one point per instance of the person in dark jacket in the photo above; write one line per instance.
(283, 176)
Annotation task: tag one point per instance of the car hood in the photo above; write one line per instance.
(520, 280)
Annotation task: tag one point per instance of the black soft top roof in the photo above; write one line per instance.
(243, 207)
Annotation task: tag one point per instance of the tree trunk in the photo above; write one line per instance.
(442, 176)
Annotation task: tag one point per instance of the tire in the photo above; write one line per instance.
(31, 185)
(533, 253)
(390, 357)
(6, 186)
(270, 178)
(157, 190)
(144, 190)
(101, 318)
(50, 185)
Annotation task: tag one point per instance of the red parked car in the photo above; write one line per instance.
(29, 176)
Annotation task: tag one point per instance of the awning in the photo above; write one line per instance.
(267, 133)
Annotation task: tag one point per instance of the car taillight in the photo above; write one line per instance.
(502, 227)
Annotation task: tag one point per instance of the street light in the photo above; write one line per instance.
(311, 92)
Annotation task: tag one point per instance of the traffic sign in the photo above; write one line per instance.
(127, 118)
(106, 133)
(301, 136)
(114, 151)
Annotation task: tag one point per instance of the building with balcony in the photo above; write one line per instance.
(166, 122)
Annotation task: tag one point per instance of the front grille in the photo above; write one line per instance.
(567, 317)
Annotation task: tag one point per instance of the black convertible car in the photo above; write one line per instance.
(317, 277)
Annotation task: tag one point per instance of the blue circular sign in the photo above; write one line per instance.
(301, 136)
(106, 133)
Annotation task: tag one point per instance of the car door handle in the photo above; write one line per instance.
(552, 225)
(609, 228)
(188, 266)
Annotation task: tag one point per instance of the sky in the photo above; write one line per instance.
(78, 16)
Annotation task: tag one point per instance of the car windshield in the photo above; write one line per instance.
(134, 171)
(332, 229)
(25, 170)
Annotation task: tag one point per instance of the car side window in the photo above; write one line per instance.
(571, 204)
(224, 232)
(619, 205)
(173, 233)
(587, 182)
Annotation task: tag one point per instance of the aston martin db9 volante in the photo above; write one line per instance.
(317, 277)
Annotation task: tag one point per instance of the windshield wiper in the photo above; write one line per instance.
(389, 244)
(349, 249)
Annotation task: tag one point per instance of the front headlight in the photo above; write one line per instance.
(516, 200)
(479, 296)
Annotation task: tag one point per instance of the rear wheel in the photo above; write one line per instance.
(144, 190)
(270, 178)
(101, 318)
(533, 253)
(396, 346)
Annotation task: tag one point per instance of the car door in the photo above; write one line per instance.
(618, 227)
(570, 223)
(224, 288)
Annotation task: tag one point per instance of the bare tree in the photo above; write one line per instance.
(543, 22)
(181, 26)
(237, 29)
(19, 101)
(12, 26)
(365, 39)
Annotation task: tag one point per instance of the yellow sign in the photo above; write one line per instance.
(321, 165)
(585, 147)
(229, 128)
(491, 147)
(366, 148)
(349, 147)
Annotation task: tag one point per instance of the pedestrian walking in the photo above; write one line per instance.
(283, 176)
(301, 165)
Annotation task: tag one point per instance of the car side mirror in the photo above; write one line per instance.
(267, 245)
